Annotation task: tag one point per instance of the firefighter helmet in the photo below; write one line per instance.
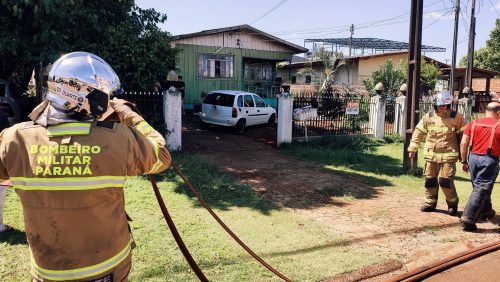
(443, 98)
(379, 87)
(80, 83)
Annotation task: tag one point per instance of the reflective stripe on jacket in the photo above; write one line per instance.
(69, 178)
(441, 143)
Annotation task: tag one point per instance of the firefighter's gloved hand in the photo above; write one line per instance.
(121, 108)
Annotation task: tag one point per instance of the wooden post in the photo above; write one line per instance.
(413, 96)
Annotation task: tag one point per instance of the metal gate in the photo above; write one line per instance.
(331, 118)
(151, 106)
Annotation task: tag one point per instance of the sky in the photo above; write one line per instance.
(296, 20)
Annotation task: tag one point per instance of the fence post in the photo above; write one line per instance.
(465, 108)
(173, 118)
(377, 116)
(399, 115)
(285, 110)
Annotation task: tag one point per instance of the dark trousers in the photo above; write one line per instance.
(483, 171)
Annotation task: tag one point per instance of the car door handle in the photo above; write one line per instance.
(258, 111)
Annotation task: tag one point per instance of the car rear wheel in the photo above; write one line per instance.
(272, 120)
(239, 128)
(203, 125)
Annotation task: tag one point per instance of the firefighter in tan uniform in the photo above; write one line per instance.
(69, 172)
(441, 151)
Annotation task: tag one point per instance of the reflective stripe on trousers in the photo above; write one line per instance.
(434, 154)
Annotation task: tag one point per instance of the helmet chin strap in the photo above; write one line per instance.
(78, 115)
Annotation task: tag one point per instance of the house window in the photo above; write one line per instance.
(294, 79)
(255, 70)
(308, 79)
(213, 66)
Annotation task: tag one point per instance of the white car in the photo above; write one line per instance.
(237, 109)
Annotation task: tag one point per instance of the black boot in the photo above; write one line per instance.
(427, 208)
(488, 215)
(452, 210)
(468, 224)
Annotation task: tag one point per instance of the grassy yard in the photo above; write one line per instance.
(298, 247)
(371, 160)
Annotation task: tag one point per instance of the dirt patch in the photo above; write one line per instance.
(369, 215)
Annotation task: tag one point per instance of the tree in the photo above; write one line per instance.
(391, 78)
(487, 57)
(34, 33)
(332, 61)
(429, 75)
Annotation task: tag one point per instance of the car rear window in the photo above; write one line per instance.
(219, 99)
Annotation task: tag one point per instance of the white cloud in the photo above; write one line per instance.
(496, 7)
(439, 16)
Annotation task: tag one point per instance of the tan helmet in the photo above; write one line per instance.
(379, 87)
(80, 83)
(403, 88)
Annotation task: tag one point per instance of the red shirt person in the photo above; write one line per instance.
(482, 137)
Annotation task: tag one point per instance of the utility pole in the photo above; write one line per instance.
(470, 53)
(451, 85)
(413, 94)
(350, 39)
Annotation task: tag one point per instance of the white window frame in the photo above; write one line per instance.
(207, 65)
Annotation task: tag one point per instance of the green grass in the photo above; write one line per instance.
(376, 163)
(295, 245)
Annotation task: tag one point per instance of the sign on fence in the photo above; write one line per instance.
(352, 108)
(305, 113)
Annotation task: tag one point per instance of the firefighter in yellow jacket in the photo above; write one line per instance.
(69, 169)
(441, 151)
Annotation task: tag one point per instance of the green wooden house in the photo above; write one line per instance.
(233, 58)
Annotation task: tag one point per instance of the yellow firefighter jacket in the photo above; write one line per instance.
(69, 178)
(441, 144)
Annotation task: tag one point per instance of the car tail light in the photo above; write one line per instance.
(235, 112)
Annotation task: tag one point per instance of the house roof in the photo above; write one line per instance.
(366, 57)
(476, 72)
(295, 48)
(298, 59)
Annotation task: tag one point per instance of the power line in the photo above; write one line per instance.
(270, 11)
(388, 21)
(442, 15)
(464, 20)
(346, 27)
(494, 8)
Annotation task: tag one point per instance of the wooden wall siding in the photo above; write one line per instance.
(188, 65)
(230, 40)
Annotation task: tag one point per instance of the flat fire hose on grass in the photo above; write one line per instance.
(175, 233)
(192, 263)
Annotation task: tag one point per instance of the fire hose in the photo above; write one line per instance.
(110, 115)
(181, 244)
